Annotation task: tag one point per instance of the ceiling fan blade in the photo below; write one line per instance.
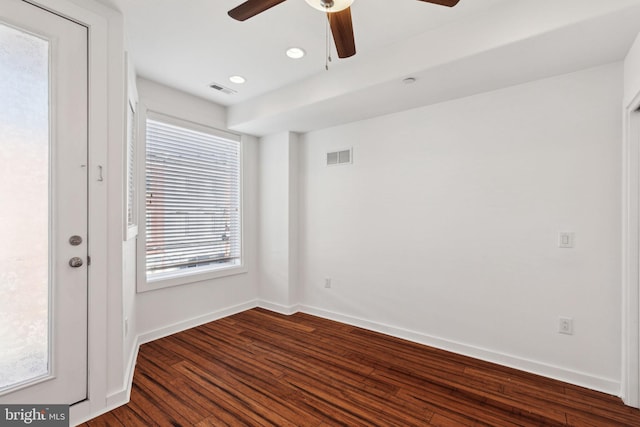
(342, 30)
(449, 3)
(251, 8)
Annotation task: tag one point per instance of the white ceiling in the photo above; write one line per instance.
(476, 46)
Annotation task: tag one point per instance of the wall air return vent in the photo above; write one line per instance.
(341, 157)
(222, 89)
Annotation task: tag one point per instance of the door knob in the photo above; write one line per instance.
(75, 262)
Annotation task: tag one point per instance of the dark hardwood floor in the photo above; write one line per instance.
(258, 368)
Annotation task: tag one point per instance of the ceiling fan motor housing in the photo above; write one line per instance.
(330, 5)
(327, 3)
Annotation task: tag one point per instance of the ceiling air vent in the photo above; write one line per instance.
(222, 89)
(340, 157)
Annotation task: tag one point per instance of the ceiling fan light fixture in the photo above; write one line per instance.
(296, 52)
(330, 6)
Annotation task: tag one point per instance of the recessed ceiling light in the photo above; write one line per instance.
(237, 79)
(296, 52)
(409, 80)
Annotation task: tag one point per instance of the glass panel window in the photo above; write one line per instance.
(192, 200)
(24, 217)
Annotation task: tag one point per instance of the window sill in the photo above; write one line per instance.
(167, 280)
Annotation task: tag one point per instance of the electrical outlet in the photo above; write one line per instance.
(327, 283)
(566, 239)
(565, 325)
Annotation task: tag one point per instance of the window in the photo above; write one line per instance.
(131, 190)
(131, 161)
(192, 200)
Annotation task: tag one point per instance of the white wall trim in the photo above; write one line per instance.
(193, 322)
(630, 386)
(104, 43)
(279, 308)
(118, 398)
(605, 385)
(122, 397)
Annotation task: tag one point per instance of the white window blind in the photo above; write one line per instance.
(192, 200)
(131, 163)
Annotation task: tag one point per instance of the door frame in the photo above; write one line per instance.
(630, 381)
(106, 109)
(63, 52)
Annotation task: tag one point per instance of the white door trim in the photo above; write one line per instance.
(106, 121)
(631, 255)
(66, 48)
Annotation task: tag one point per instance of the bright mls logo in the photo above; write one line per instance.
(34, 415)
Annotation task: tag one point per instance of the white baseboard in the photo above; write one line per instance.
(82, 412)
(122, 397)
(279, 308)
(604, 385)
(193, 322)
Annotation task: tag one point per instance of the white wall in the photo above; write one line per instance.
(126, 321)
(631, 250)
(165, 310)
(444, 229)
(278, 221)
(129, 264)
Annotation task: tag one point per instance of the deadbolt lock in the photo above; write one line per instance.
(75, 240)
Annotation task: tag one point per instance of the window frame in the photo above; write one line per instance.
(131, 144)
(162, 281)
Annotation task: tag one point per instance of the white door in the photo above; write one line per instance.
(43, 203)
